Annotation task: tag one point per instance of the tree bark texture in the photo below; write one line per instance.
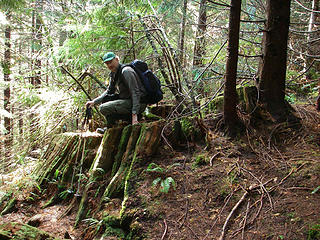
(199, 47)
(77, 163)
(182, 32)
(7, 90)
(36, 43)
(273, 69)
(230, 93)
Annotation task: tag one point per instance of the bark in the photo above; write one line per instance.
(199, 48)
(182, 32)
(64, 154)
(230, 94)
(110, 160)
(122, 161)
(273, 70)
(137, 139)
(146, 146)
(7, 91)
(15, 230)
(313, 46)
(36, 43)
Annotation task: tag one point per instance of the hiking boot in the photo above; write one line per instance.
(101, 130)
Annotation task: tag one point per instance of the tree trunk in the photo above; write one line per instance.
(230, 94)
(182, 32)
(7, 91)
(273, 70)
(313, 43)
(36, 44)
(199, 47)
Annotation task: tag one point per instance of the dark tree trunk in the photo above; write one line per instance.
(230, 93)
(199, 48)
(273, 70)
(7, 91)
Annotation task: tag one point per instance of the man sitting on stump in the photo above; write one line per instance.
(122, 99)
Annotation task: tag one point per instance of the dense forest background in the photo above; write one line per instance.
(184, 42)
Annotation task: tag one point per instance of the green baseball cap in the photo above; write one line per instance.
(108, 57)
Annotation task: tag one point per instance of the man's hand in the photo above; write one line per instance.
(134, 119)
(90, 104)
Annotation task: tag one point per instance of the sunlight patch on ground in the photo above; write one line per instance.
(17, 178)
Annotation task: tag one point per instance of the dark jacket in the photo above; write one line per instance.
(127, 85)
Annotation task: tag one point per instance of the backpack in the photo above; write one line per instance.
(149, 80)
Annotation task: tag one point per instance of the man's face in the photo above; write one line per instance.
(113, 64)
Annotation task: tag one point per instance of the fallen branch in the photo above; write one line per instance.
(283, 179)
(218, 217)
(165, 229)
(251, 188)
(245, 220)
(231, 213)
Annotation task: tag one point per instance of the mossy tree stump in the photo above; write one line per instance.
(65, 153)
(65, 161)
(117, 159)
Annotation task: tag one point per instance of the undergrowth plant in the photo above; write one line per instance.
(164, 182)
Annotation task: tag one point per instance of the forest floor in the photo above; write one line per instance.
(265, 185)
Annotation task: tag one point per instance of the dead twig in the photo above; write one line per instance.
(261, 185)
(231, 213)
(192, 231)
(245, 219)
(219, 214)
(251, 188)
(286, 177)
(165, 229)
(185, 215)
(235, 233)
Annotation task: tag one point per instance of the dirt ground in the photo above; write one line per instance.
(262, 186)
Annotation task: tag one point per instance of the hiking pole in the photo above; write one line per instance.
(88, 117)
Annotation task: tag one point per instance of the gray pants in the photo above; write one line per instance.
(119, 109)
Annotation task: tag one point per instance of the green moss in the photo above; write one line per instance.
(200, 160)
(113, 227)
(9, 207)
(189, 129)
(20, 231)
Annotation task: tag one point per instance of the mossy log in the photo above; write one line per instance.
(14, 230)
(77, 162)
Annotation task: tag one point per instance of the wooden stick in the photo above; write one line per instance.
(165, 229)
(231, 213)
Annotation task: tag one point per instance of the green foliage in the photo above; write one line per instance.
(65, 194)
(200, 159)
(291, 98)
(163, 181)
(166, 183)
(314, 232)
(6, 5)
(153, 167)
(94, 223)
(316, 190)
